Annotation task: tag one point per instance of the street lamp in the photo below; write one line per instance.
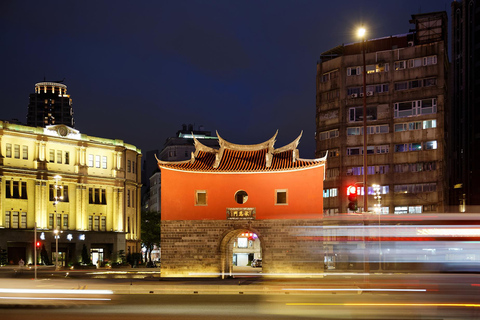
(56, 230)
(361, 34)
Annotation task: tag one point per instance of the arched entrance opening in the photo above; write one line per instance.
(240, 248)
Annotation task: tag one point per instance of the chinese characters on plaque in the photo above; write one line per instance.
(240, 213)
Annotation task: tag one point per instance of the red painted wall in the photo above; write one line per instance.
(305, 194)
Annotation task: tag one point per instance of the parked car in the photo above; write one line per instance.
(257, 263)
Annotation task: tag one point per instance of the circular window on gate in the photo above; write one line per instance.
(241, 197)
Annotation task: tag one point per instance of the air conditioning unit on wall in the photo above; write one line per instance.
(353, 95)
(369, 93)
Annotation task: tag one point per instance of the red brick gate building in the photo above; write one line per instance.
(209, 200)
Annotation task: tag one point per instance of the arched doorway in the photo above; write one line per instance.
(239, 248)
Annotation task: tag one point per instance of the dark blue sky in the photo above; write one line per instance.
(138, 70)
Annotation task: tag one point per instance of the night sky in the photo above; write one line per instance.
(138, 70)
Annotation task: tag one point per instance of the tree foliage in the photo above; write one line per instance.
(150, 231)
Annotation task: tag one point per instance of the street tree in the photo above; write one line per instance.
(150, 232)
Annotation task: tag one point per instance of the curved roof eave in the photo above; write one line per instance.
(250, 147)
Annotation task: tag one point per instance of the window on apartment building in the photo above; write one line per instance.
(332, 153)
(429, 60)
(67, 157)
(353, 71)
(59, 220)
(7, 219)
(430, 145)
(52, 155)
(330, 193)
(103, 224)
(327, 76)
(133, 166)
(14, 223)
(358, 171)
(90, 160)
(414, 63)
(333, 172)
(104, 196)
(281, 196)
(328, 134)
(200, 197)
(128, 198)
(97, 195)
(65, 222)
(427, 124)
(90, 223)
(8, 190)
(50, 220)
(15, 190)
(400, 65)
(16, 150)
(23, 185)
(406, 147)
(415, 188)
(8, 150)
(25, 152)
(97, 161)
(408, 209)
(97, 223)
(59, 156)
(355, 131)
(129, 166)
(414, 108)
(104, 162)
(94, 196)
(23, 220)
(356, 114)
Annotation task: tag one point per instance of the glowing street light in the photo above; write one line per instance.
(361, 33)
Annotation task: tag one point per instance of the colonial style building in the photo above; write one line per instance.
(241, 191)
(56, 178)
(405, 109)
(49, 105)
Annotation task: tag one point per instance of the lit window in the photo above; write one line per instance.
(59, 156)
(97, 161)
(17, 151)
(90, 160)
(25, 152)
(52, 155)
(104, 162)
(8, 151)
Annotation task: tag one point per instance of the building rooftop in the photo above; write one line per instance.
(236, 158)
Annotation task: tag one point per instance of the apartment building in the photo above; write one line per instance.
(406, 91)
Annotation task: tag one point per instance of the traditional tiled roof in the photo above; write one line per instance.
(231, 157)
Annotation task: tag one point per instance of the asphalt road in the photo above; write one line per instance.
(347, 296)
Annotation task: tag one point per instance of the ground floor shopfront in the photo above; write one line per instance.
(100, 247)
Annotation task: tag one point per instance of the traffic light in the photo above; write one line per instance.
(352, 197)
(38, 244)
